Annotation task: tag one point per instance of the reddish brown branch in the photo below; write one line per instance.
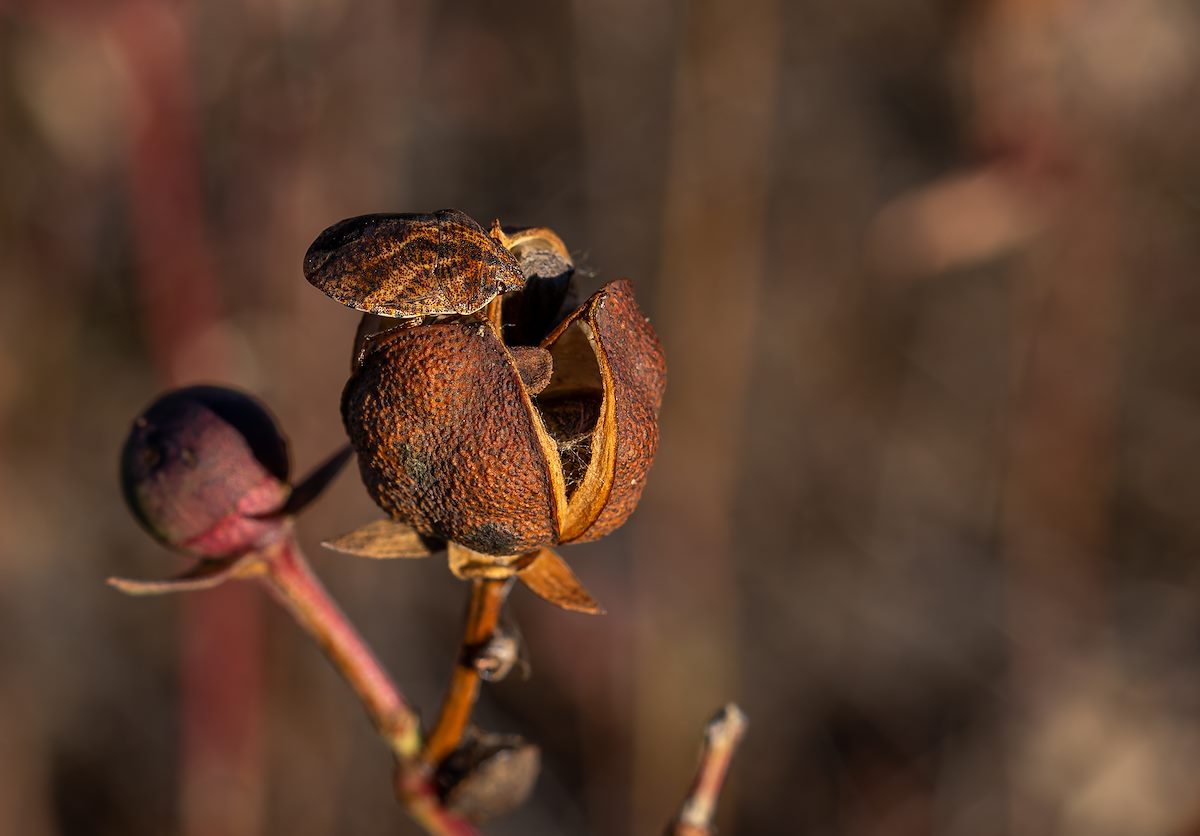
(419, 798)
(293, 584)
(291, 581)
(180, 302)
(483, 613)
(721, 738)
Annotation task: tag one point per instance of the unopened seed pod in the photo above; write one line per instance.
(202, 469)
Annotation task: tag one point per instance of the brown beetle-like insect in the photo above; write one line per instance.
(414, 265)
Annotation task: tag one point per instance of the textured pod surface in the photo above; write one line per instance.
(199, 466)
(406, 265)
(633, 376)
(447, 441)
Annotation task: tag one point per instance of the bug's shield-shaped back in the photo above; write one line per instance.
(410, 265)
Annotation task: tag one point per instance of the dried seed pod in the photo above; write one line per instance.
(632, 380)
(489, 775)
(453, 439)
(611, 366)
(411, 265)
(443, 429)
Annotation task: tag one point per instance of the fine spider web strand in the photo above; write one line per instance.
(570, 421)
(576, 455)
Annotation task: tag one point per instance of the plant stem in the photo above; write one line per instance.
(721, 738)
(291, 581)
(294, 585)
(421, 801)
(483, 613)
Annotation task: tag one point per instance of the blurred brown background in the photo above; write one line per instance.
(926, 500)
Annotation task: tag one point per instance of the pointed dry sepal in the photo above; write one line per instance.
(550, 578)
(315, 483)
(204, 575)
(381, 540)
(545, 573)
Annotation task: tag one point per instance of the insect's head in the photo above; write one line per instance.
(505, 270)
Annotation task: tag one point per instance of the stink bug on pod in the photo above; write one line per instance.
(416, 265)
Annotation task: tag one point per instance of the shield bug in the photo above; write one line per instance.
(412, 265)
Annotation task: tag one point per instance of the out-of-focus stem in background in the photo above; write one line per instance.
(1049, 195)
(220, 633)
(1067, 330)
(713, 256)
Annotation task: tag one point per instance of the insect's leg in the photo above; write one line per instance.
(493, 312)
(371, 327)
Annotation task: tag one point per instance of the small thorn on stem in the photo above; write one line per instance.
(496, 657)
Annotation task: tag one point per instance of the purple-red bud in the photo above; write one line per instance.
(202, 470)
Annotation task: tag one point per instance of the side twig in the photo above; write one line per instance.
(721, 738)
(291, 581)
(483, 613)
